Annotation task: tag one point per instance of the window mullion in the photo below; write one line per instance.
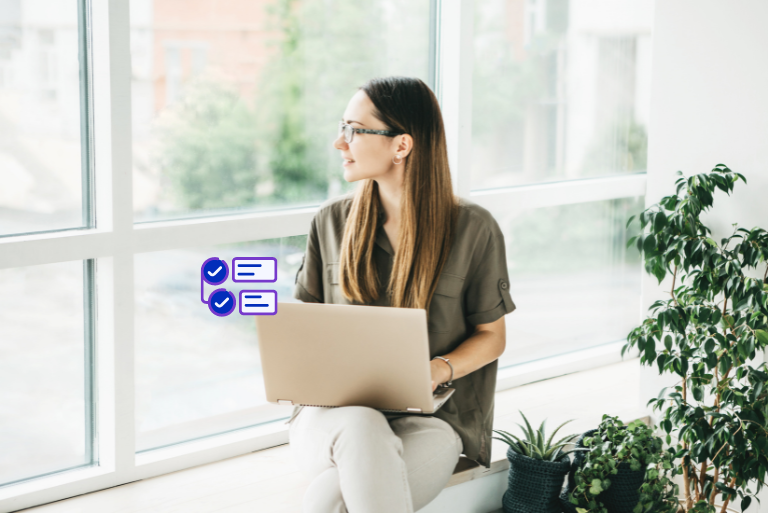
(221, 230)
(114, 212)
(454, 86)
(122, 211)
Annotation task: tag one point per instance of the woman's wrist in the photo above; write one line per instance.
(444, 369)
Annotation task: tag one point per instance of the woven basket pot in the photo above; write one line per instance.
(534, 484)
(623, 494)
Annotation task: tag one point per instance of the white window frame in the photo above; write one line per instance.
(117, 239)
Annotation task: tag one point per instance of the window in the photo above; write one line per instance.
(576, 283)
(196, 375)
(561, 90)
(46, 392)
(240, 118)
(224, 149)
(235, 108)
(43, 105)
(560, 100)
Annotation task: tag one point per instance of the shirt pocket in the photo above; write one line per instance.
(446, 304)
(332, 273)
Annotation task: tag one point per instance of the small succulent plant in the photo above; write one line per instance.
(535, 444)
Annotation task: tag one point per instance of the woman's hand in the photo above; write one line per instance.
(441, 372)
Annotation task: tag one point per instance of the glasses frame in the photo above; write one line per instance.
(353, 130)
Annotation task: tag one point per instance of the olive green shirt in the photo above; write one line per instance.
(473, 289)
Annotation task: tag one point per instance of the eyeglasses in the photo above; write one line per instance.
(349, 131)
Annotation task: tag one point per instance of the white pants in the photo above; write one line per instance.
(359, 462)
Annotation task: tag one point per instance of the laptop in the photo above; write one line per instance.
(318, 354)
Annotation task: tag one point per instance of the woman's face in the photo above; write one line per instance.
(368, 155)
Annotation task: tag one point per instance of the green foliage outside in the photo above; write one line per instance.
(207, 151)
(221, 151)
(284, 133)
(326, 51)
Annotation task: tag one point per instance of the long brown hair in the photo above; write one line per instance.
(428, 210)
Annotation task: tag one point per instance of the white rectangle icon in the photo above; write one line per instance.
(254, 269)
(258, 302)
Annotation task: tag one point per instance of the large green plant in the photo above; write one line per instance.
(712, 325)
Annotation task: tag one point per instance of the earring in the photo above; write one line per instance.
(397, 156)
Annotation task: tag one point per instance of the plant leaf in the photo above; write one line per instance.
(540, 437)
(558, 429)
(530, 432)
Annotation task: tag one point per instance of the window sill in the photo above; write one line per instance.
(266, 480)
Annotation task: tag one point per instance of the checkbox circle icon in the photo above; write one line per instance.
(214, 271)
(221, 302)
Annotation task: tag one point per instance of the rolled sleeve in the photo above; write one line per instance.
(309, 278)
(487, 294)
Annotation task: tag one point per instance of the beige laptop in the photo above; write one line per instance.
(318, 354)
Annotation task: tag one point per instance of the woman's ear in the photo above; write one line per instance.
(406, 145)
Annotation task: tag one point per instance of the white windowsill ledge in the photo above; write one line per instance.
(266, 481)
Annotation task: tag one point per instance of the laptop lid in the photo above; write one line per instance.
(318, 354)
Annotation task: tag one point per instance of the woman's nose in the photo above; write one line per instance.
(340, 143)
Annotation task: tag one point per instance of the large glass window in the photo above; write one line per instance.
(235, 104)
(198, 374)
(561, 89)
(234, 109)
(46, 420)
(575, 283)
(43, 157)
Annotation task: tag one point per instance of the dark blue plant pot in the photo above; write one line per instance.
(534, 485)
(623, 494)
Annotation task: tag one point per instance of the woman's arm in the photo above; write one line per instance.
(485, 345)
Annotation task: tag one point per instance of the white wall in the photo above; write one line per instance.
(709, 105)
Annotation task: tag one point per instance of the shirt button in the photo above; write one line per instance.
(504, 285)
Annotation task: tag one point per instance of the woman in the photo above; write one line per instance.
(403, 240)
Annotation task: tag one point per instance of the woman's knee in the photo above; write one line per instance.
(363, 430)
(329, 433)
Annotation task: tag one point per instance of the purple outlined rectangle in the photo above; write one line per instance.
(254, 269)
(258, 302)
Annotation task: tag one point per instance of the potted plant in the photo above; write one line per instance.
(537, 468)
(713, 323)
(624, 471)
